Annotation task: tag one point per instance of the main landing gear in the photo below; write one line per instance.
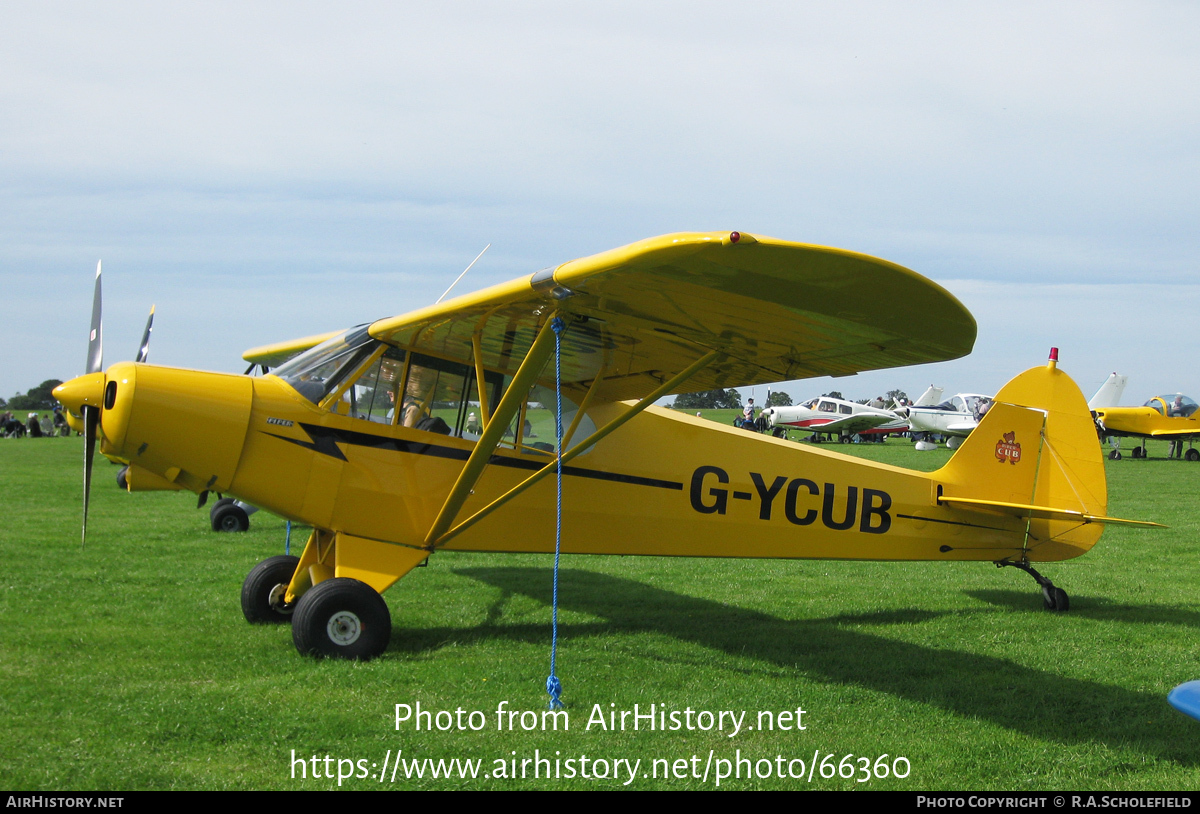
(264, 589)
(338, 617)
(1053, 597)
(344, 618)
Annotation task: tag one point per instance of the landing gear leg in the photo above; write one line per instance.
(1054, 598)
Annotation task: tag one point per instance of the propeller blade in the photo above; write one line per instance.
(95, 353)
(144, 349)
(91, 420)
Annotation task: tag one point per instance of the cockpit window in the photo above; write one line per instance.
(319, 370)
(373, 395)
(1175, 405)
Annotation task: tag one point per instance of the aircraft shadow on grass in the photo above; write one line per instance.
(1023, 699)
(1097, 607)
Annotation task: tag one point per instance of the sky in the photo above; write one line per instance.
(262, 171)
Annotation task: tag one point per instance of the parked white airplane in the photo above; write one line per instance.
(833, 416)
(955, 417)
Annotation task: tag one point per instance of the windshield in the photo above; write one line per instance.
(1175, 405)
(319, 369)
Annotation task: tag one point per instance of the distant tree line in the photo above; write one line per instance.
(38, 398)
(729, 399)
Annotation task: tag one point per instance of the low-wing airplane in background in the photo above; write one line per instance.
(845, 419)
(1172, 417)
(956, 417)
(368, 437)
(834, 416)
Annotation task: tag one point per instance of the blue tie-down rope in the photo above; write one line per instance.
(553, 685)
(287, 539)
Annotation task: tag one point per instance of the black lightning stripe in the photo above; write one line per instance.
(325, 440)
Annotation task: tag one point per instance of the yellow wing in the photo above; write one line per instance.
(1184, 433)
(278, 353)
(775, 310)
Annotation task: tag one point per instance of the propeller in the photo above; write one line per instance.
(91, 413)
(85, 396)
(144, 348)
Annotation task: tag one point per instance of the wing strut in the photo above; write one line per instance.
(493, 433)
(480, 380)
(667, 387)
(581, 410)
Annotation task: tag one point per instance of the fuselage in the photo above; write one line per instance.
(838, 416)
(664, 484)
(1167, 416)
(958, 416)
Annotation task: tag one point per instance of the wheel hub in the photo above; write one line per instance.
(344, 628)
(276, 600)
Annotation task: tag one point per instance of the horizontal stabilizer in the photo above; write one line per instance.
(1042, 512)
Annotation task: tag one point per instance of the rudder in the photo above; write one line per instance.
(1036, 447)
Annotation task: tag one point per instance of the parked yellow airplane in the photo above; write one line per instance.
(415, 434)
(1173, 417)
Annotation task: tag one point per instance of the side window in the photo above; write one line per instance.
(373, 396)
(538, 431)
(845, 409)
(435, 395)
(440, 396)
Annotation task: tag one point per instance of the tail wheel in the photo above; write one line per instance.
(343, 618)
(1055, 599)
(264, 589)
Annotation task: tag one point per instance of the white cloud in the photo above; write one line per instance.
(247, 160)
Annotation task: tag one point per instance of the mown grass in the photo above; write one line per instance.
(126, 664)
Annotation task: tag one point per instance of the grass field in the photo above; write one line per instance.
(127, 664)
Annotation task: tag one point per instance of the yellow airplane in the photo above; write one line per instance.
(1173, 417)
(435, 431)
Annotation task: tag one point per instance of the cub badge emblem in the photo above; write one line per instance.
(1007, 448)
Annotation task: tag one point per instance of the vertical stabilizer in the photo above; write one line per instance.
(929, 398)
(1109, 394)
(1036, 447)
